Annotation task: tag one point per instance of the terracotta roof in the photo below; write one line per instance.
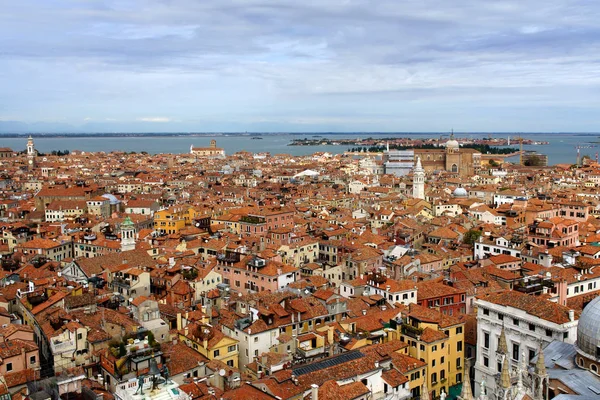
(181, 357)
(532, 305)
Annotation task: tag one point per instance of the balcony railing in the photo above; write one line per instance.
(60, 347)
(252, 220)
(310, 352)
(121, 282)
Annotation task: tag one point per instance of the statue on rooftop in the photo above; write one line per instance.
(164, 372)
(140, 387)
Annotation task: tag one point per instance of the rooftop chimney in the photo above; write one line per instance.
(314, 392)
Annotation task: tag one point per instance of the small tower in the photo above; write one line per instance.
(466, 393)
(213, 144)
(504, 389)
(502, 350)
(418, 181)
(31, 153)
(540, 377)
(127, 235)
(424, 390)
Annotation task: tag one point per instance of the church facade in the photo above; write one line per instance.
(463, 162)
(212, 151)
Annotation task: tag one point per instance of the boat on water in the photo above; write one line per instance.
(256, 138)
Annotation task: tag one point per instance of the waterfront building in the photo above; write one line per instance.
(398, 162)
(6, 152)
(211, 151)
(462, 162)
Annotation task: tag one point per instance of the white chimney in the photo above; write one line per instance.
(571, 315)
(314, 392)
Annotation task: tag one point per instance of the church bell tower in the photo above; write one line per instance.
(419, 181)
(31, 153)
(127, 235)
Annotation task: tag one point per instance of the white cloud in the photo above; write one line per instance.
(154, 119)
(284, 60)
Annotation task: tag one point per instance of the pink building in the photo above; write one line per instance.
(276, 217)
(575, 210)
(554, 232)
(19, 356)
(253, 274)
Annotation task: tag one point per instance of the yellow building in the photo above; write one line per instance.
(300, 253)
(212, 151)
(231, 222)
(189, 214)
(437, 340)
(211, 343)
(169, 221)
(413, 369)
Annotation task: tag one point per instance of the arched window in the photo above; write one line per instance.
(594, 368)
(454, 168)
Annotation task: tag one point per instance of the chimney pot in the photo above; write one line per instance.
(314, 391)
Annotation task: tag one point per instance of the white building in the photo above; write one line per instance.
(512, 324)
(419, 180)
(500, 245)
(399, 162)
(508, 197)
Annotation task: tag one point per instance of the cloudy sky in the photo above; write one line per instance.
(311, 65)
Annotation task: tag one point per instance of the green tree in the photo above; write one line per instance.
(151, 339)
(471, 236)
(122, 349)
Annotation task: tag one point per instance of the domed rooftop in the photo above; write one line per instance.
(588, 331)
(460, 192)
(452, 143)
(111, 198)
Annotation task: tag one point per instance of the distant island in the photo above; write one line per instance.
(379, 144)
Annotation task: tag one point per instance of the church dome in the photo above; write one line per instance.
(111, 198)
(588, 331)
(452, 144)
(460, 192)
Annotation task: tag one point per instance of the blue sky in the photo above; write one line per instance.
(279, 65)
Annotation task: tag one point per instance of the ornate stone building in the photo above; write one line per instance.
(463, 162)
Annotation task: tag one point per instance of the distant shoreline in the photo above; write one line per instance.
(254, 134)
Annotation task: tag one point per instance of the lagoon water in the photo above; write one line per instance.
(560, 150)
